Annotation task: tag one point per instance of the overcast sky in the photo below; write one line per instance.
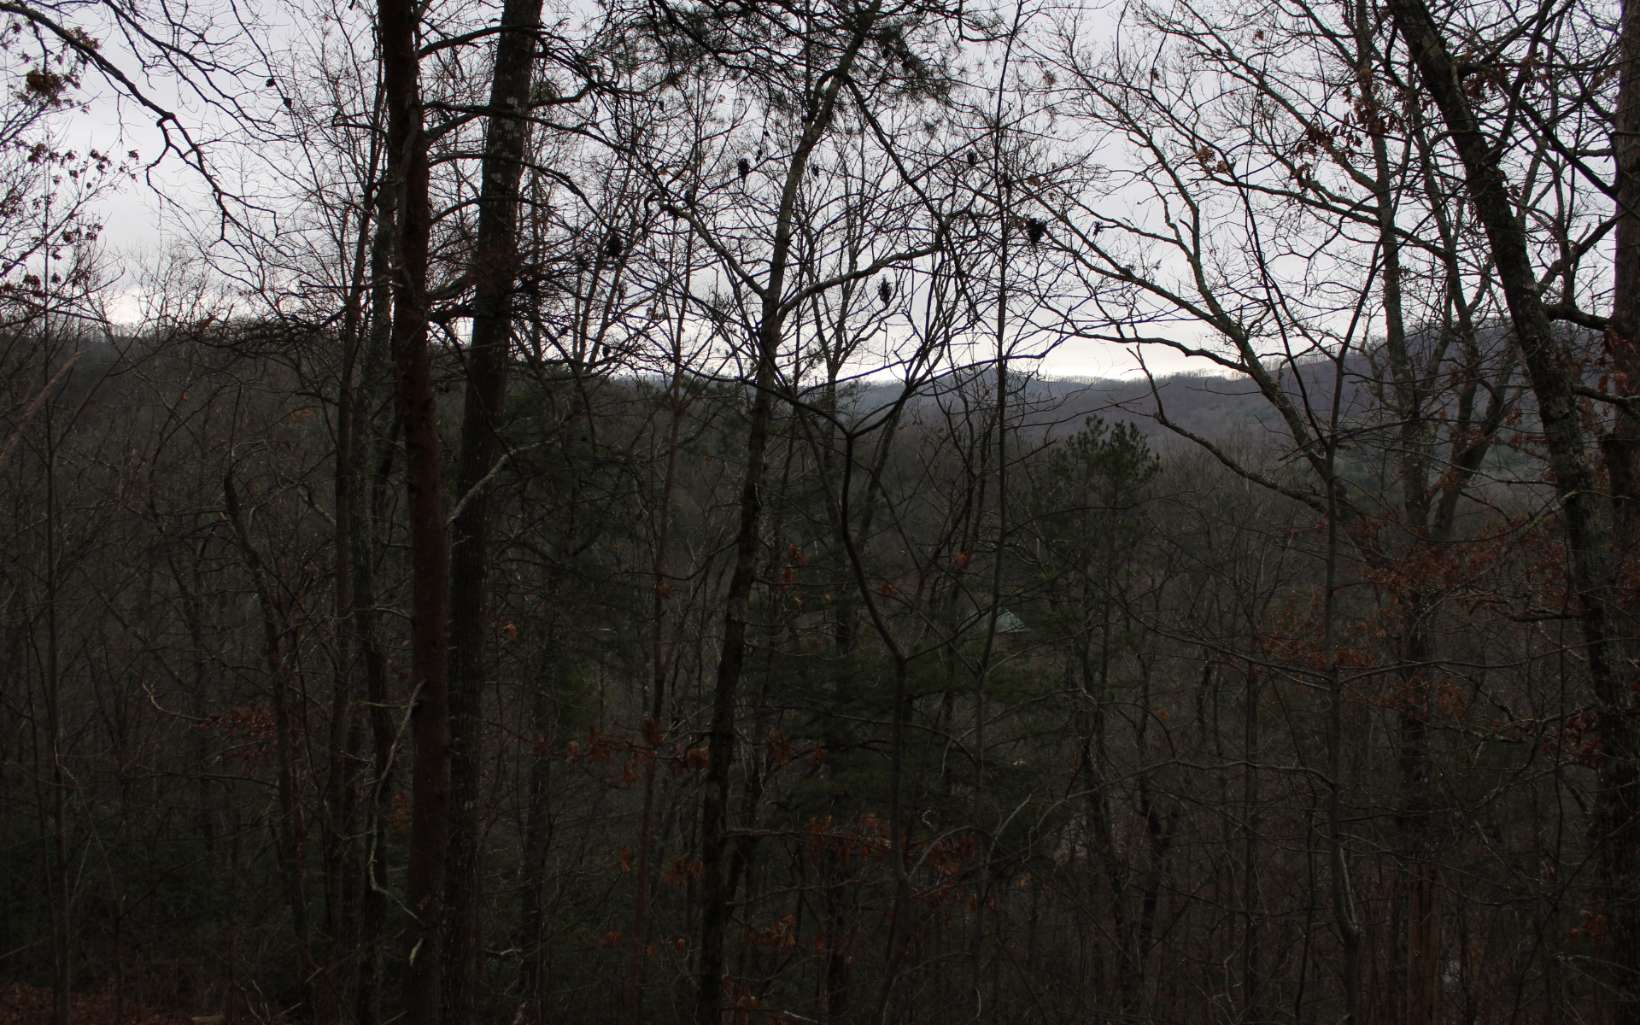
(168, 209)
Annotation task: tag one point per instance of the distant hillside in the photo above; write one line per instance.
(1205, 404)
(1216, 405)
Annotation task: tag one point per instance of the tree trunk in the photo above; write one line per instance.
(1251, 940)
(1617, 824)
(59, 895)
(291, 831)
(721, 738)
(1593, 552)
(494, 268)
(659, 666)
(429, 554)
(363, 537)
(344, 892)
(721, 741)
(537, 842)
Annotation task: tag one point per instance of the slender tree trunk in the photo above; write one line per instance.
(292, 832)
(495, 262)
(363, 538)
(721, 742)
(58, 894)
(899, 928)
(1617, 826)
(1415, 953)
(1594, 555)
(1251, 940)
(654, 731)
(721, 738)
(1346, 912)
(429, 553)
(342, 856)
(537, 841)
(1417, 943)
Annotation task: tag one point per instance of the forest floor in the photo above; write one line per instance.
(31, 1005)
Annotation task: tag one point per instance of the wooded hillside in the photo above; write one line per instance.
(578, 529)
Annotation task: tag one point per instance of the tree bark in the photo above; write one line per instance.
(364, 534)
(494, 269)
(429, 554)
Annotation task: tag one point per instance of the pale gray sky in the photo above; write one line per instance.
(168, 209)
